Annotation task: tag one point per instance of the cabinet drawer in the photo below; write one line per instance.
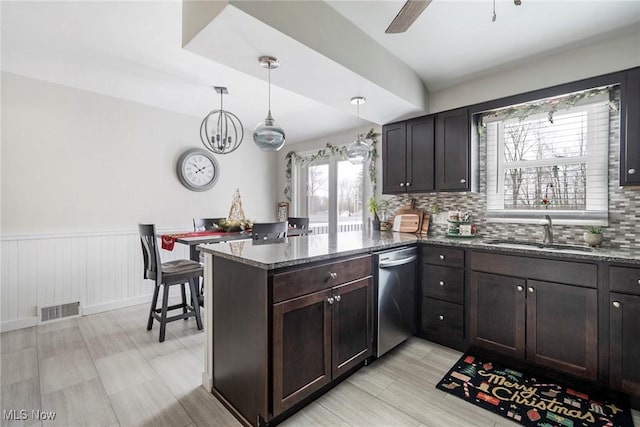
(548, 270)
(307, 280)
(444, 283)
(442, 319)
(624, 279)
(449, 257)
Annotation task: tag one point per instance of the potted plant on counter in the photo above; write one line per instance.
(593, 236)
(376, 206)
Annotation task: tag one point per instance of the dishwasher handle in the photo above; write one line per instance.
(402, 261)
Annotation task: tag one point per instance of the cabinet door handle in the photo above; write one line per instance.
(638, 281)
(333, 275)
(632, 171)
(617, 304)
(531, 289)
(442, 256)
(330, 300)
(463, 181)
(520, 288)
(338, 298)
(441, 317)
(402, 184)
(441, 283)
(408, 184)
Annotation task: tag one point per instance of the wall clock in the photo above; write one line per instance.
(198, 170)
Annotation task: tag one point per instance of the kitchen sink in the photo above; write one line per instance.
(539, 245)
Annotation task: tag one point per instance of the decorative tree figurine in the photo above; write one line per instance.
(236, 213)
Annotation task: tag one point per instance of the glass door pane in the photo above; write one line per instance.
(350, 196)
(318, 196)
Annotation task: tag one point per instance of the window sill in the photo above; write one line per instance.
(558, 217)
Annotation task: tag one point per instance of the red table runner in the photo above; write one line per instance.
(168, 240)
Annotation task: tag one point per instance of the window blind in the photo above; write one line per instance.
(549, 157)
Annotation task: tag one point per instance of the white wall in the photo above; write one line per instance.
(79, 171)
(593, 59)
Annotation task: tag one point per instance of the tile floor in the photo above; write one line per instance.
(107, 370)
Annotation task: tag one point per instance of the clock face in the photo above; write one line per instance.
(198, 169)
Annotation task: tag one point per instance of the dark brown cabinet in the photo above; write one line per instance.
(453, 149)
(408, 156)
(630, 124)
(624, 312)
(427, 153)
(302, 348)
(498, 313)
(442, 287)
(322, 335)
(546, 323)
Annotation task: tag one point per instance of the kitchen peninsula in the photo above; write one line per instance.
(288, 319)
(269, 298)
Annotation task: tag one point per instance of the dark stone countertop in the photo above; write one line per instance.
(311, 248)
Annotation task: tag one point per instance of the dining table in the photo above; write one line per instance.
(195, 238)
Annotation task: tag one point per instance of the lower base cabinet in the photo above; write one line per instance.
(625, 343)
(549, 324)
(317, 338)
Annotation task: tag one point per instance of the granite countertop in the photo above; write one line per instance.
(626, 256)
(310, 248)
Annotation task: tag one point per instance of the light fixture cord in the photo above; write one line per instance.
(269, 72)
(358, 120)
(493, 18)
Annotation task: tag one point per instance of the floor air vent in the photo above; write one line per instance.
(59, 311)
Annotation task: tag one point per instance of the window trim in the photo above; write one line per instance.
(528, 216)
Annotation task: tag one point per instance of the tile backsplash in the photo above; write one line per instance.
(623, 230)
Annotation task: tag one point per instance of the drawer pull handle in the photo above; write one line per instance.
(617, 304)
(632, 171)
(638, 282)
(520, 288)
(330, 300)
(333, 275)
(338, 298)
(441, 317)
(531, 290)
(441, 283)
(442, 256)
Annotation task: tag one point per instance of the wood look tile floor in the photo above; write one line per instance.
(107, 370)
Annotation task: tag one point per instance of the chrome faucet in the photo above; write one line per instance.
(548, 230)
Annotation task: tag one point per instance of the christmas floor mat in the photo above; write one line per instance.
(528, 400)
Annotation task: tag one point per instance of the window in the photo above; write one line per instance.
(330, 191)
(551, 156)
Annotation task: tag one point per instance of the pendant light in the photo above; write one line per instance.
(358, 150)
(221, 131)
(268, 135)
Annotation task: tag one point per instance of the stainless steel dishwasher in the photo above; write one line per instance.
(395, 272)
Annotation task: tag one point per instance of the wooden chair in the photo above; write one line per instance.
(206, 224)
(178, 272)
(269, 230)
(300, 222)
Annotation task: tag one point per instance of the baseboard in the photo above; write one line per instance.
(207, 381)
(114, 305)
(12, 325)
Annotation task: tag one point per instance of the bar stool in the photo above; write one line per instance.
(178, 272)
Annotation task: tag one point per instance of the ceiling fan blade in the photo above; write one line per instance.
(409, 13)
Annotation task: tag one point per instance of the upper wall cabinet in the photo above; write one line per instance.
(630, 141)
(408, 156)
(453, 171)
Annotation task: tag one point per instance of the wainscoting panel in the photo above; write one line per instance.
(101, 270)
